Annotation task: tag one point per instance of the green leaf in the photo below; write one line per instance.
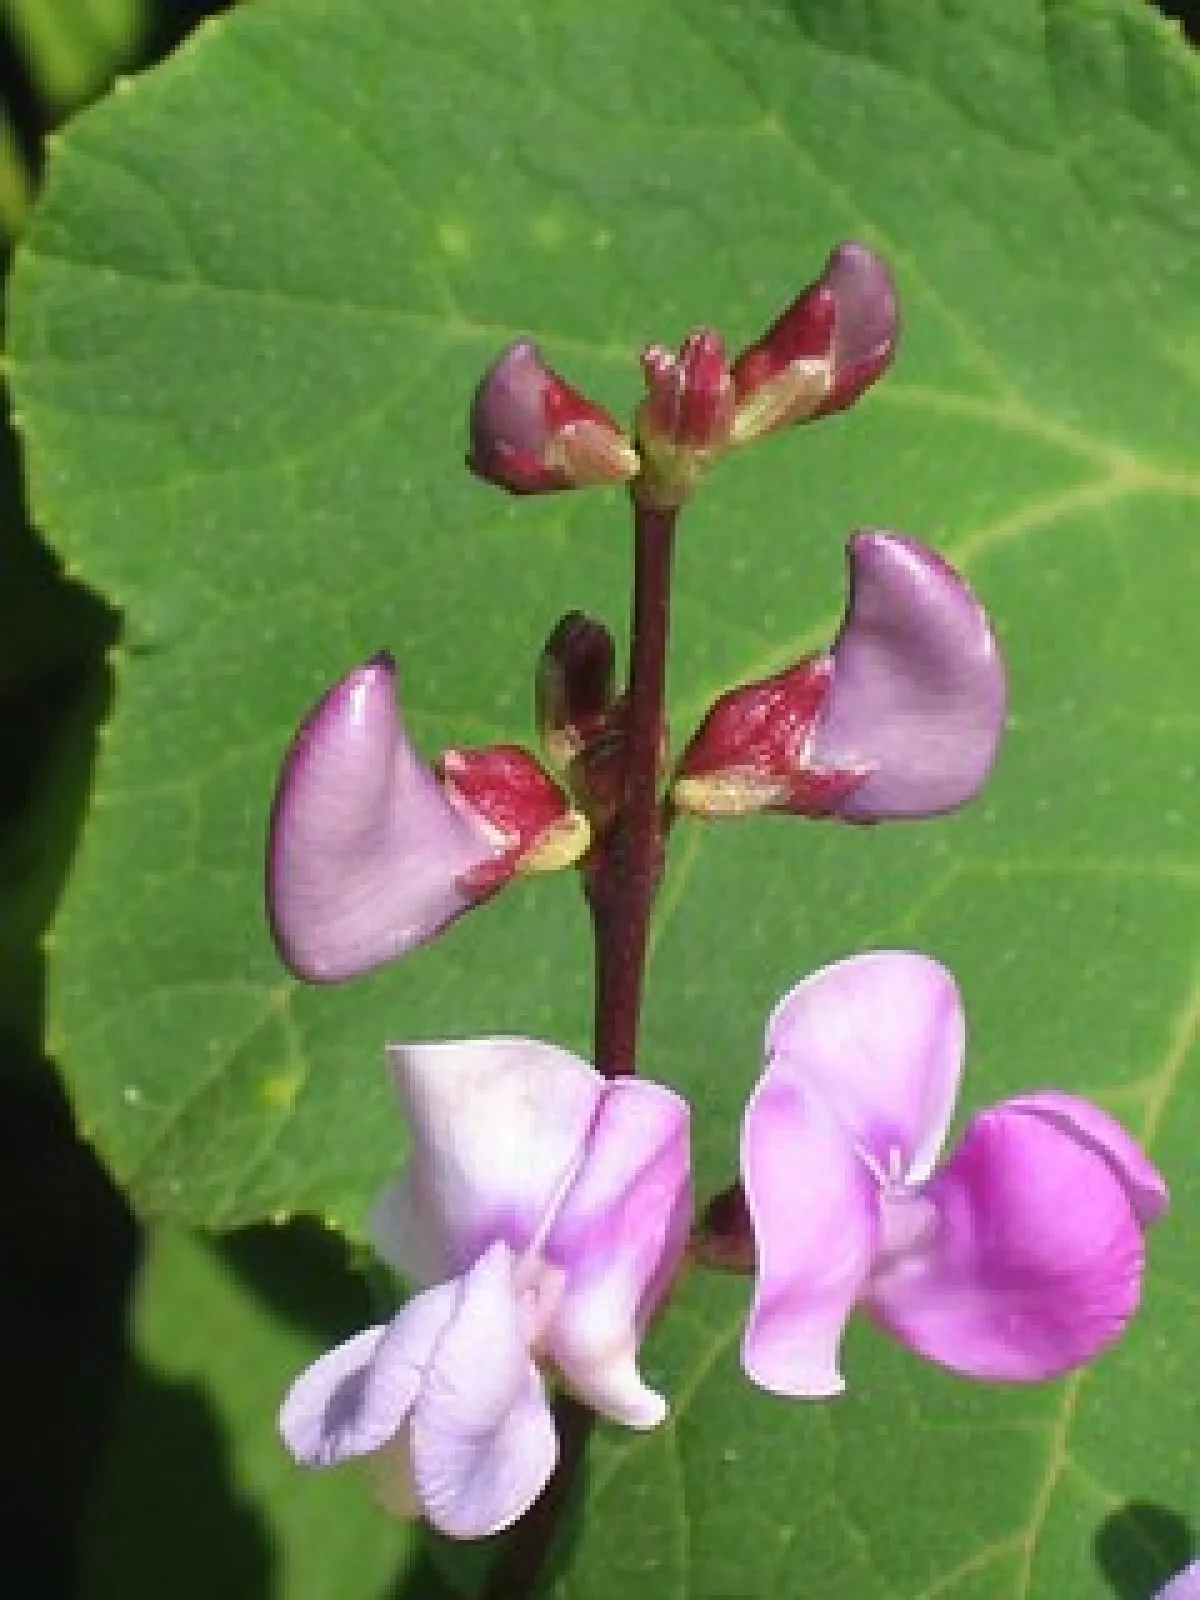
(72, 47)
(246, 322)
(197, 1497)
(14, 178)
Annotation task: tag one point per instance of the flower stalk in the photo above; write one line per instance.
(627, 863)
(620, 880)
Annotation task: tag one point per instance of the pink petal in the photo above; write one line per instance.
(1144, 1185)
(498, 1129)
(482, 1439)
(366, 854)
(918, 688)
(814, 1209)
(880, 1037)
(356, 1398)
(1184, 1585)
(1034, 1265)
(866, 322)
(619, 1237)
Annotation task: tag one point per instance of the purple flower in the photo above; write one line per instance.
(549, 1209)
(1019, 1258)
(533, 433)
(1184, 1585)
(902, 719)
(370, 854)
(831, 344)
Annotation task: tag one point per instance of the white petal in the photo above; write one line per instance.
(483, 1438)
(354, 1399)
(881, 1037)
(498, 1130)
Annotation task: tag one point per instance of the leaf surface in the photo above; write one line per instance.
(197, 1496)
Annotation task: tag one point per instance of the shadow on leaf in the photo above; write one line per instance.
(1140, 1546)
(167, 1519)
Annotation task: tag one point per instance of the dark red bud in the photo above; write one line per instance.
(686, 419)
(804, 332)
(689, 400)
(835, 339)
(576, 683)
(533, 433)
(725, 1237)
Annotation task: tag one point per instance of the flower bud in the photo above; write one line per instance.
(830, 345)
(576, 685)
(686, 419)
(724, 1239)
(581, 717)
(532, 433)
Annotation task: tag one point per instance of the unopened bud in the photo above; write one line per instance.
(581, 717)
(576, 685)
(724, 1238)
(686, 419)
(532, 433)
(830, 345)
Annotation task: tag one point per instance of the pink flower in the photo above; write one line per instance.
(370, 853)
(902, 718)
(549, 1209)
(1018, 1259)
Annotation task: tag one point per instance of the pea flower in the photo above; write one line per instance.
(1019, 1258)
(534, 433)
(548, 1210)
(370, 853)
(901, 719)
(1184, 1585)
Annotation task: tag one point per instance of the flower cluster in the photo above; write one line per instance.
(546, 1211)
(534, 433)
(372, 853)
(546, 1208)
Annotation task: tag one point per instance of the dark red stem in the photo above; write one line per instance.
(624, 877)
(621, 881)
